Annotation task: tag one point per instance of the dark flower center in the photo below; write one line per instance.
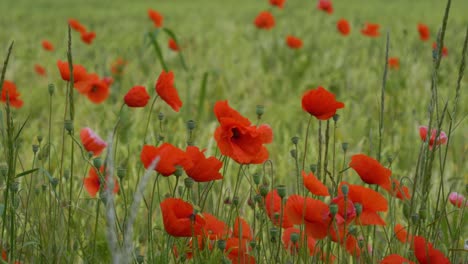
(235, 133)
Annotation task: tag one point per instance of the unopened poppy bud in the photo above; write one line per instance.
(415, 218)
(69, 126)
(295, 140)
(361, 243)
(333, 209)
(294, 237)
(258, 198)
(90, 154)
(345, 190)
(273, 234)
(140, 259)
(358, 208)
(221, 244)
(121, 171)
(253, 244)
(260, 110)
(54, 182)
(264, 190)
(235, 200)
(257, 177)
(161, 116)
(188, 182)
(293, 153)
(160, 138)
(14, 186)
(227, 200)
(97, 162)
(3, 169)
(51, 89)
(179, 171)
(281, 190)
(353, 230)
(191, 125)
(336, 117)
(313, 168)
(251, 203)
(39, 139)
(276, 216)
(389, 159)
(345, 146)
(35, 148)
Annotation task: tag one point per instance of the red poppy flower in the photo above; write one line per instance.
(444, 49)
(9, 91)
(79, 72)
(277, 3)
(118, 66)
(371, 30)
(91, 141)
(313, 184)
(76, 25)
(442, 139)
(424, 32)
(320, 103)
(293, 42)
(47, 45)
(179, 218)
(214, 228)
(203, 169)
(346, 208)
(241, 229)
(326, 6)
(238, 139)
(237, 250)
(316, 217)
(395, 259)
(92, 183)
(170, 158)
(40, 70)
(370, 170)
(173, 45)
(273, 208)
(88, 37)
(97, 90)
(137, 97)
(343, 27)
(371, 201)
(401, 233)
(395, 189)
(458, 200)
(264, 20)
(156, 17)
(426, 253)
(166, 89)
(393, 63)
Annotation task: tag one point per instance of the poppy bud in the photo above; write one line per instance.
(361, 243)
(313, 168)
(221, 244)
(179, 171)
(191, 125)
(345, 190)
(160, 137)
(188, 182)
(264, 190)
(281, 191)
(69, 126)
(273, 234)
(293, 153)
(358, 208)
(54, 182)
(336, 117)
(3, 169)
(140, 259)
(258, 198)
(235, 200)
(295, 140)
(97, 162)
(260, 110)
(253, 244)
(345, 146)
(227, 200)
(51, 89)
(294, 237)
(333, 209)
(353, 230)
(389, 159)
(276, 216)
(35, 148)
(90, 154)
(14, 186)
(251, 203)
(39, 139)
(256, 178)
(161, 116)
(121, 171)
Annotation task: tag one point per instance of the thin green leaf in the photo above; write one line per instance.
(24, 173)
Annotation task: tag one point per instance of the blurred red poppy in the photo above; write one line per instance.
(9, 91)
(92, 183)
(370, 170)
(346, 208)
(170, 158)
(79, 72)
(401, 233)
(91, 141)
(40, 70)
(441, 139)
(47, 45)
(294, 247)
(264, 20)
(394, 63)
(458, 200)
(277, 3)
(88, 37)
(343, 27)
(179, 218)
(156, 17)
(273, 208)
(371, 30)
(214, 228)
(137, 97)
(397, 190)
(426, 253)
(237, 250)
(173, 45)
(395, 259)
(313, 184)
(238, 139)
(118, 66)
(320, 103)
(326, 6)
(203, 169)
(167, 91)
(294, 42)
(97, 90)
(241, 229)
(76, 25)
(424, 32)
(444, 49)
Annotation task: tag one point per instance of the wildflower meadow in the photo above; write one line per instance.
(237, 131)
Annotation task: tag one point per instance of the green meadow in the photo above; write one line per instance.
(47, 215)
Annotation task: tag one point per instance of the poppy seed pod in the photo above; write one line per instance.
(221, 244)
(293, 153)
(97, 162)
(344, 146)
(188, 182)
(121, 172)
(191, 125)
(69, 126)
(295, 140)
(333, 209)
(161, 116)
(336, 117)
(260, 110)
(39, 139)
(264, 190)
(256, 178)
(35, 148)
(273, 233)
(345, 190)
(54, 182)
(235, 200)
(281, 190)
(294, 237)
(358, 208)
(313, 168)
(51, 89)
(253, 244)
(353, 230)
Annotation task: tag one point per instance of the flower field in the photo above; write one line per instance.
(269, 131)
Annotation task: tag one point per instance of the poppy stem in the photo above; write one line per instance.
(305, 143)
(149, 118)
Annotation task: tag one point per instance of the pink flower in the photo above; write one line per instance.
(457, 199)
(442, 139)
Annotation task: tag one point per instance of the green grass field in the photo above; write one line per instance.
(48, 217)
